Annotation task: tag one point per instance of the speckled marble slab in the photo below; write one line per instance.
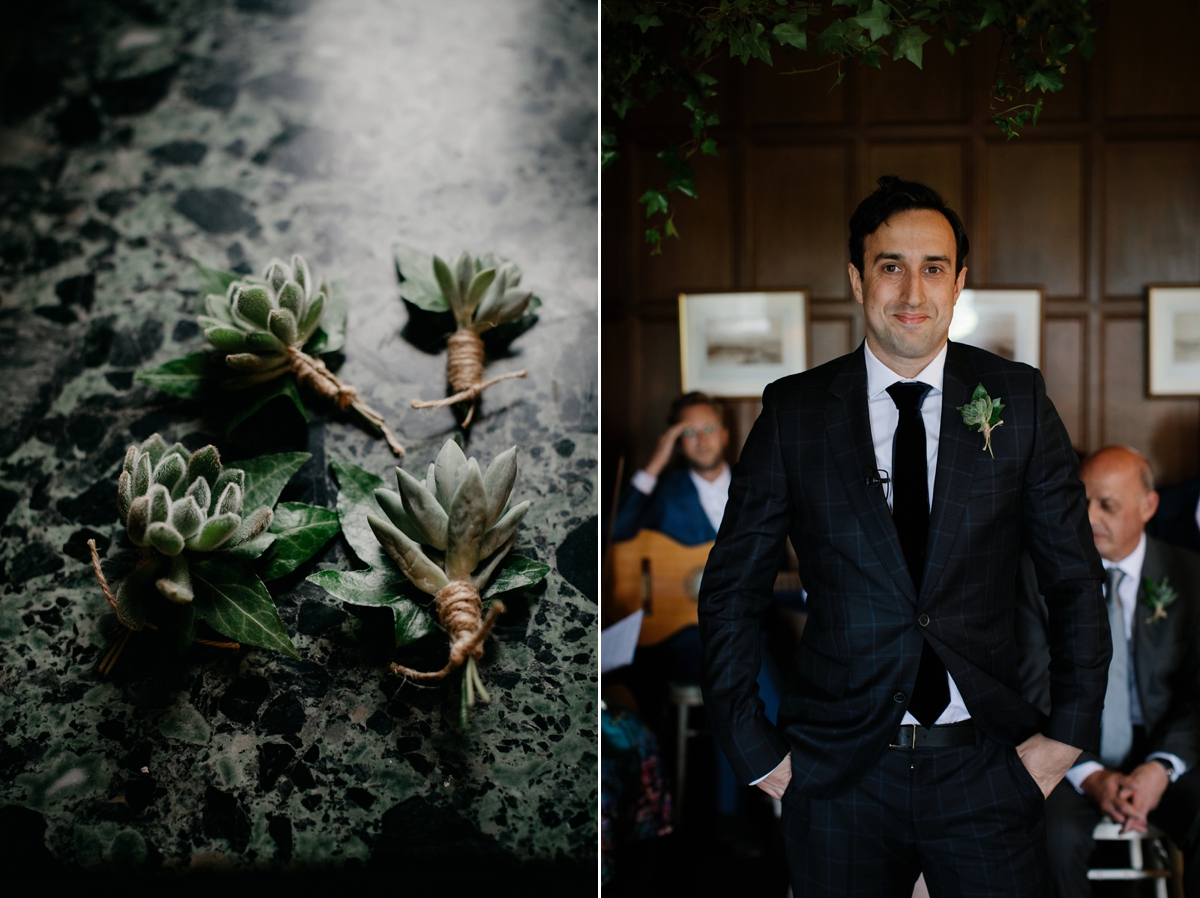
(135, 137)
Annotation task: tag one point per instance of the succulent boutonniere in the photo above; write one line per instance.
(1159, 596)
(982, 413)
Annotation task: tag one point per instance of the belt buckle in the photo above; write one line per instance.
(901, 744)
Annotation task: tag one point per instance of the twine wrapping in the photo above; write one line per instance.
(460, 614)
(464, 370)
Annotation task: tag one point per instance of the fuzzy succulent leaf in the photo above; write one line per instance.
(124, 495)
(407, 554)
(219, 306)
(200, 491)
(155, 447)
(498, 483)
(479, 579)
(253, 525)
(282, 323)
(291, 299)
(141, 475)
(504, 528)
(177, 585)
(165, 538)
(139, 520)
(475, 290)
(301, 274)
(277, 275)
(447, 284)
(187, 516)
(254, 305)
(311, 318)
(227, 339)
(393, 506)
(230, 501)
(204, 463)
(160, 504)
(215, 532)
(423, 509)
(467, 520)
(448, 471)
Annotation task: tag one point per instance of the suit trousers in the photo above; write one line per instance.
(1071, 817)
(969, 818)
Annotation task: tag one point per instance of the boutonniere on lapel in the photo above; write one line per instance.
(1159, 596)
(982, 413)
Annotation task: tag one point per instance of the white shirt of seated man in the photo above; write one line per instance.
(1121, 499)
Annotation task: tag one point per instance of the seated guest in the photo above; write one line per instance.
(1177, 520)
(1150, 734)
(687, 503)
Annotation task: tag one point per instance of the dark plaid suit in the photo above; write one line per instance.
(803, 473)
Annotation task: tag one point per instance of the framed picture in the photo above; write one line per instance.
(734, 344)
(1174, 332)
(1005, 321)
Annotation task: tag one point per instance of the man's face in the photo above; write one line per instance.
(908, 287)
(703, 439)
(1119, 505)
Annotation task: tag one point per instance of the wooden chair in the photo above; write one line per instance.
(683, 697)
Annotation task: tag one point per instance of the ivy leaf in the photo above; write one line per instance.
(234, 602)
(216, 280)
(1048, 79)
(655, 202)
(356, 498)
(417, 283)
(789, 35)
(267, 475)
(709, 147)
(186, 377)
(829, 40)
(300, 531)
(909, 45)
(280, 387)
(516, 572)
(669, 228)
(875, 20)
(646, 22)
(250, 550)
(331, 335)
(383, 586)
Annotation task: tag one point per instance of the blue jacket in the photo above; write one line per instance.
(673, 509)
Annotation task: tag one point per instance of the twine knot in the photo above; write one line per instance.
(464, 370)
(460, 612)
(313, 374)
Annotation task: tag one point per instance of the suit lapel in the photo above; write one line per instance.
(958, 453)
(848, 429)
(1147, 636)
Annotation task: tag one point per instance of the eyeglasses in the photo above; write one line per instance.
(690, 432)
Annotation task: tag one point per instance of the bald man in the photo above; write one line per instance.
(1146, 771)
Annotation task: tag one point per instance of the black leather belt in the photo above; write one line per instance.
(945, 735)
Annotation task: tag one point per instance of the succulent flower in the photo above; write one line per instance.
(171, 500)
(448, 534)
(257, 323)
(480, 297)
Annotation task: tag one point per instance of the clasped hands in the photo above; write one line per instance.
(1128, 798)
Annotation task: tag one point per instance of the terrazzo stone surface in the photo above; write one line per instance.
(137, 136)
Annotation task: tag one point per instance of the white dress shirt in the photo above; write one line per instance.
(713, 493)
(884, 419)
(1127, 592)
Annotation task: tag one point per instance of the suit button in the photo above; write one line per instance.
(923, 620)
(899, 698)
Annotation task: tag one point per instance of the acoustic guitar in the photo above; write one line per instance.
(662, 577)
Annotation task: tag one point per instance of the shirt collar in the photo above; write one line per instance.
(722, 481)
(880, 376)
(1131, 564)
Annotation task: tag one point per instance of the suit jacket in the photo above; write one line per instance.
(1165, 652)
(804, 472)
(1175, 520)
(673, 508)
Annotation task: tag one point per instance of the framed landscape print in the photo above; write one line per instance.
(734, 344)
(1006, 321)
(1174, 337)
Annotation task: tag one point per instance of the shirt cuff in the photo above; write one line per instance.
(1176, 762)
(1077, 774)
(645, 483)
(787, 760)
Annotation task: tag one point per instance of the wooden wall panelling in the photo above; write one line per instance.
(1035, 226)
(1152, 212)
(799, 99)
(1164, 430)
(660, 384)
(1064, 365)
(900, 92)
(830, 338)
(1149, 58)
(1066, 105)
(938, 164)
(797, 218)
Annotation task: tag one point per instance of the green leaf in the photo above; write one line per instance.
(909, 44)
(789, 35)
(875, 20)
(216, 280)
(607, 158)
(185, 377)
(331, 335)
(1048, 79)
(251, 549)
(356, 499)
(300, 531)
(517, 572)
(655, 202)
(652, 236)
(417, 283)
(669, 228)
(279, 387)
(267, 475)
(709, 147)
(235, 603)
(383, 586)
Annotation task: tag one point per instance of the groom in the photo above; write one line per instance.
(903, 744)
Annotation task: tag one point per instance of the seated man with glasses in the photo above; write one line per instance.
(687, 503)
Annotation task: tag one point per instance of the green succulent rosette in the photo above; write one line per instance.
(206, 536)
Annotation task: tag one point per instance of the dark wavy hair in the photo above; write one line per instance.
(892, 196)
(687, 400)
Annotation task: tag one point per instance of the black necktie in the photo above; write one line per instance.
(910, 512)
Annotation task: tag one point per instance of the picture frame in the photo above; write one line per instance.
(1008, 321)
(1173, 335)
(732, 344)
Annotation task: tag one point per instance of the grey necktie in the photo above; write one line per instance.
(1116, 727)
